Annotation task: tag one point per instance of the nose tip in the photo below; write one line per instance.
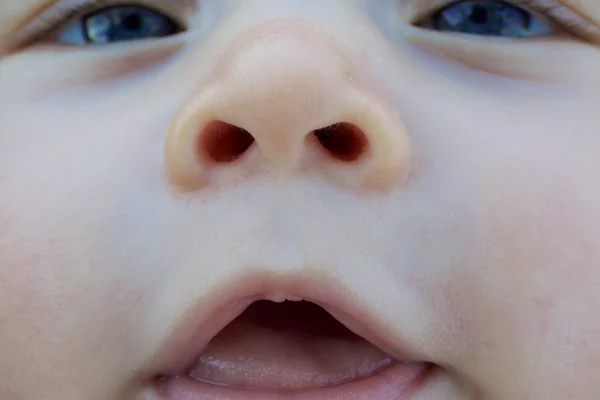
(294, 104)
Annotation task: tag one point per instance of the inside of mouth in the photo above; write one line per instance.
(287, 346)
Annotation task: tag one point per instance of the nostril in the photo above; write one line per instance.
(344, 141)
(223, 142)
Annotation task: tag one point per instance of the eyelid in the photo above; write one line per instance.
(561, 13)
(555, 12)
(60, 12)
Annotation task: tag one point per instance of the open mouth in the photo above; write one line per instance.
(292, 350)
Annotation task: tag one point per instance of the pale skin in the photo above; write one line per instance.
(475, 229)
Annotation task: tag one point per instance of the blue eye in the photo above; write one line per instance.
(119, 24)
(488, 18)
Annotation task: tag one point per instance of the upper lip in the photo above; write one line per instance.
(213, 311)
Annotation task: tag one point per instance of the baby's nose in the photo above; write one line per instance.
(285, 99)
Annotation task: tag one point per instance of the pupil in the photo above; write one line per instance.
(479, 15)
(132, 22)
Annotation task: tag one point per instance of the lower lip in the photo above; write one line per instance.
(399, 382)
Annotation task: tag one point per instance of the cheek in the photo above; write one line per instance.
(59, 308)
(532, 294)
(540, 218)
(61, 301)
(536, 205)
(527, 291)
(542, 248)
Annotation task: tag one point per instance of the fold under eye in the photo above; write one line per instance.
(487, 18)
(118, 24)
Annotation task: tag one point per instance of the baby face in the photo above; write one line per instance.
(420, 173)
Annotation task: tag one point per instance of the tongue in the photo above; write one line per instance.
(295, 346)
